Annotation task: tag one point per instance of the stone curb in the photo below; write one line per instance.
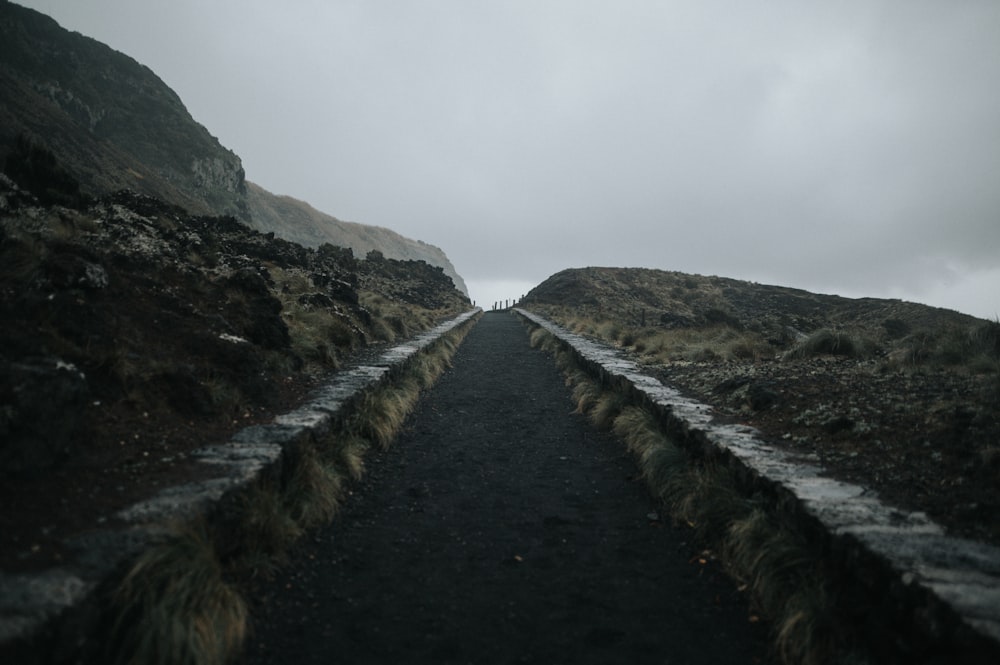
(947, 588)
(30, 602)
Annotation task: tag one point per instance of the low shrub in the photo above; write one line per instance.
(829, 342)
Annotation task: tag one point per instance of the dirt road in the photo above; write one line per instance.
(501, 528)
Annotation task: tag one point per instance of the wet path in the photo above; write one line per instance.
(500, 528)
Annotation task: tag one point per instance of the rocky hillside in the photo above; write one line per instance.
(676, 300)
(132, 331)
(113, 125)
(299, 222)
(897, 397)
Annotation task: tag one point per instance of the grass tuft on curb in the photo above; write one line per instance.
(174, 606)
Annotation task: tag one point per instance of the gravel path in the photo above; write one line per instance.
(500, 528)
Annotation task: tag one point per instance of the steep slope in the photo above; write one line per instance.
(111, 121)
(299, 222)
(133, 321)
(113, 124)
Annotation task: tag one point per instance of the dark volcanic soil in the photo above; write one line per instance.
(132, 333)
(500, 528)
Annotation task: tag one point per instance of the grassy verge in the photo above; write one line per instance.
(713, 341)
(182, 601)
(758, 543)
(972, 348)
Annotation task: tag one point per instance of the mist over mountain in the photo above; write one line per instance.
(113, 124)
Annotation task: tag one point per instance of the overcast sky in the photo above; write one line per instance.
(841, 147)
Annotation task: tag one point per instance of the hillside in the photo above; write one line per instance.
(113, 124)
(680, 300)
(299, 222)
(895, 396)
(132, 332)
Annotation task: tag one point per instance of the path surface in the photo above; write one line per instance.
(500, 528)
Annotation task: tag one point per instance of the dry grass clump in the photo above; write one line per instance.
(174, 605)
(976, 349)
(349, 453)
(539, 338)
(274, 512)
(263, 528)
(701, 345)
(393, 319)
(831, 342)
(315, 490)
(585, 393)
(383, 411)
(790, 585)
(662, 464)
(761, 549)
(666, 345)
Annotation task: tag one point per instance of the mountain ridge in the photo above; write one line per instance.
(296, 220)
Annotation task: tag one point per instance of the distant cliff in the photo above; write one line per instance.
(113, 124)
(299, 222)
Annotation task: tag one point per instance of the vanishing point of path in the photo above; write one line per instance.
(500, 528)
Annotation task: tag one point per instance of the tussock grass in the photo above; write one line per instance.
(585, 393)
(315, 490)
(174, 605)
(709, 500)
(349, 453)
(788, 584)
(427, 368)
(540, 338)
(383, 411)
(756, 541)
(662, 464)
(393, 319)
(606, 408)
(712, 343)
(665, 345)
(976, 349)
(831, 342)
(266, 529)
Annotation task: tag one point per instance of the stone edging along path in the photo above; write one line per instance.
(903, 561)
(30, 602)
